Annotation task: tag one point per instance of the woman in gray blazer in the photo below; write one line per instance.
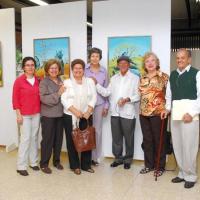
(51, 89)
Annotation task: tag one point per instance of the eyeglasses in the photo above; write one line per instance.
(30, 65)
(53, 68)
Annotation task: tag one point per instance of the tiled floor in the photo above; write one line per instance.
(105, 184)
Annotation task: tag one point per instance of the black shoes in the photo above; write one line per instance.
(22, 172)
(25, 173)
(115, 164)
(177, 180)
(189, 184)
(127, 165)
(46, 170)
(94, 163)
(35, 168)
(58, 166)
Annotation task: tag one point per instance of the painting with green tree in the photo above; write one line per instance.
(132, 46)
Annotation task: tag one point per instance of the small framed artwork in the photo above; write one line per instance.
(52, 48)
(132, 46)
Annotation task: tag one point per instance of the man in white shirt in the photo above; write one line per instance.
(184, 83)
(123, 93)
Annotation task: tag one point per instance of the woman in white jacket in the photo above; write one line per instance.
(78, 100)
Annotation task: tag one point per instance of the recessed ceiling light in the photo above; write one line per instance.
(89, 24)
(39, 2)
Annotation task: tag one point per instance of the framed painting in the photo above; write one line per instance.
(1, 69)
(132, 46)
(52, 48)
(19, 69)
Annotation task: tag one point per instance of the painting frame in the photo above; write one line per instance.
(116, 50)
(44, 53)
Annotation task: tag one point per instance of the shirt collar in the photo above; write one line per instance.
(101, 69)
(25, 78)
(186, 69)
(127, 74)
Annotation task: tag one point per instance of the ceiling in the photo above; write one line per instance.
(185, 14)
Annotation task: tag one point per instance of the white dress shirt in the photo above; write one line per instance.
(196, 107)
(121, 87)
(78, 95)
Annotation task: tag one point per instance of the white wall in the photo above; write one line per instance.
(8, 127)
(132, 18)
(59, 20)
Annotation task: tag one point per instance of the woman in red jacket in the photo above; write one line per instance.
(26, 102)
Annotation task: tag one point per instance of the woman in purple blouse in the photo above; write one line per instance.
(94, 69)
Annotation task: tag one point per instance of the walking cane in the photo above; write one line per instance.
(160, 148)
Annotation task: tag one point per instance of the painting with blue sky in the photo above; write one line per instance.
(132, 46)
(52, 48)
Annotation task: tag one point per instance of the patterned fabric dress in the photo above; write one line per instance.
(152, 91)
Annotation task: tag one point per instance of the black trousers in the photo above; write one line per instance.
(85, 157)
(151, 126)
(122, 128)
(52, 138)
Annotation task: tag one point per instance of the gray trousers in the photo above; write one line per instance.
(122, 128)
(185, 138)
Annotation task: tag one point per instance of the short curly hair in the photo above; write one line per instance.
(146, 56)
(78, 61)
(48, 65)
(95, 50)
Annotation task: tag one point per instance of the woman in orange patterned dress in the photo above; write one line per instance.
(152, 90)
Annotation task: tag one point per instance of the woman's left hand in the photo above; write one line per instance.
(104, 112)
(86, 115)
(61, 90)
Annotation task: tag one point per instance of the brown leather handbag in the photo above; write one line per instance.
(84, 140)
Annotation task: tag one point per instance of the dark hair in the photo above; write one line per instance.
(49, 63)
(95, 50)
(25, 59)
(78, 61)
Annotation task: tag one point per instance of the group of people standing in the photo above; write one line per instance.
(87, 96)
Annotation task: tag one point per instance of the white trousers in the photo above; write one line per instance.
(28, 145)
(97, 123)
(185, 138)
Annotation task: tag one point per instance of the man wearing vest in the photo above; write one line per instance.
(184, 83)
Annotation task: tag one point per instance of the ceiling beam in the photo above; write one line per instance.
(187, 2)
(53, 1)
(25, 2)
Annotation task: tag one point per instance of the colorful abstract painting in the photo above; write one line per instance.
(48, 48)
(1, 70)
(133, 46)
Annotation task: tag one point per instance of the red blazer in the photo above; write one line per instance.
(25, 96)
